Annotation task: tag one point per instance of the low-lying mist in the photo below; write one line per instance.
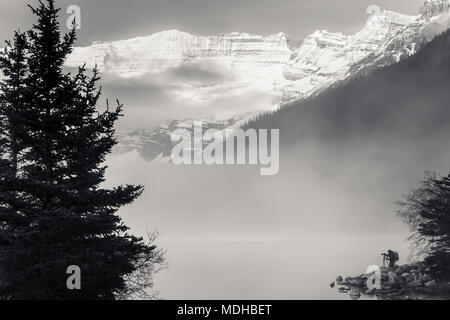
(347, 157)
(315, 192)
(231, 233)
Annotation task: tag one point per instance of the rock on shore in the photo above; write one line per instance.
(405, 282)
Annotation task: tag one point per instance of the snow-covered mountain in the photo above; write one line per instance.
(266, 64)
(238, 63)
(169, 49)
(156, 144)
(325, 58)
(433, 8)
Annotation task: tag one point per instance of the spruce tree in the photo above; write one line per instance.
(60, 215)
(427, 212)
(13, 66)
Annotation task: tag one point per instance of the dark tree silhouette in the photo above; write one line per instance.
(53, 211)
(427, 212)
(13, 64)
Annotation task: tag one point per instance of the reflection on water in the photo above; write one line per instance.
(290, 269)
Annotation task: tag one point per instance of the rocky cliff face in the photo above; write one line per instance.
(168, 49)
(323, 59)
(156, 144)
(326, 58)
(268, 63)
(433, 8)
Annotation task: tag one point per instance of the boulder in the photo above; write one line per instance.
(391, 276)
(356, 282)
(421, 268)
(399, 281)
(355, 295)
(385, 291)
(344, 289)
(406, 268)
(369, 291)
(426, 278)
(400, 270)
(385, 270)
(431, 284)
(365, 276)
(415, 284)
(397, 295)
(388, 285)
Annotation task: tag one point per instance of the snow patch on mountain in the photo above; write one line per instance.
(326, 58)
(169, 49)
(433, 8)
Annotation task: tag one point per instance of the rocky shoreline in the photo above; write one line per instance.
(405, 282)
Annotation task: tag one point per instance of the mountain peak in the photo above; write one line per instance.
(173, 31)
(433, 8)
(386, 17)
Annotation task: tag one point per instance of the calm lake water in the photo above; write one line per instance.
(231, 234)
(289, 269)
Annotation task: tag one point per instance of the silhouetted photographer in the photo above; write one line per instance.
(391, 257)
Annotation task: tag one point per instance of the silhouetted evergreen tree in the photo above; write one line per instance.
(13, 64)
(59, 215)
(427, 212)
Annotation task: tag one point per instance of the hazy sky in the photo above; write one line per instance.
(118, 19)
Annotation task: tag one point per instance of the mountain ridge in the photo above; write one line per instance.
(326, 59)
(405, 104)
(265, 64)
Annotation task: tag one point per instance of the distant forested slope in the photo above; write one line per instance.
(408, 102)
